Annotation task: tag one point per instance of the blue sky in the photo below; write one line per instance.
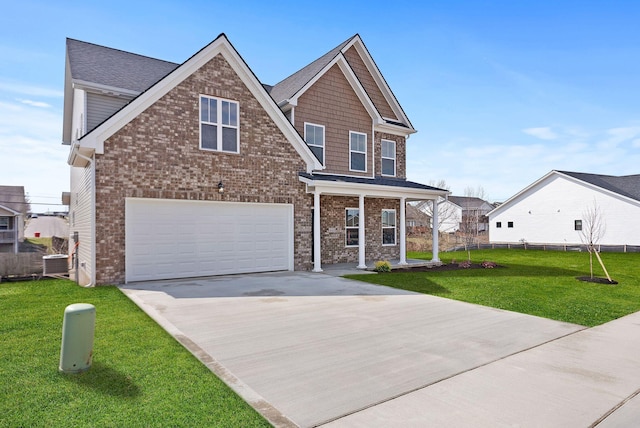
(501, 92)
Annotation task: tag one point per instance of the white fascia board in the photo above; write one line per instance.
(377, 77)
(95, 139)
(9, 210)
(338, 188)
(390, 128)
(353, 81)
(104, 89)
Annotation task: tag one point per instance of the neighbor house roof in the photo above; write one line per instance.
(114, 68)
(625, 185)
(469, 202)
(12, 197)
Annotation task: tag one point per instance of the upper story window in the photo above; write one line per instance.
(509, 224)
(388, 157)
(314, 136)
(219, 125)
(577, 224)
(352, 223)
(498, 224)
(388, 227)
(4, 223)
(357, 151)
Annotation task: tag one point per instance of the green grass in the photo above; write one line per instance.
(140, 376)
(533, 282)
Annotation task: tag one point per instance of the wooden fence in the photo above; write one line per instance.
(21, 264)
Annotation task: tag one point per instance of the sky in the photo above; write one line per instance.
(501, 92)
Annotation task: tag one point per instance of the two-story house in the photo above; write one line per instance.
(196, 169)
(13, 207)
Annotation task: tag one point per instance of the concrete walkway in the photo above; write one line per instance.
(310, 349)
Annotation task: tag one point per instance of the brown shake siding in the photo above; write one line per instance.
(332, 221)
(332, 102)
(157, 155)
(362, 72)
(401, 145)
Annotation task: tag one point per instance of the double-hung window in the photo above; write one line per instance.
(388, 157)
(314, 136)
(4, 223)
(352, 223)
(219, 125)
(357, 151)
(388, 227)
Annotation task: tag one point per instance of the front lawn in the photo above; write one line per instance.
(140, 377)
(533, 282)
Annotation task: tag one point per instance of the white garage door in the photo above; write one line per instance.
(180, 239)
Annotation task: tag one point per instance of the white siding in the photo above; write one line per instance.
(546, 213)
(81, 220)
(101, 107)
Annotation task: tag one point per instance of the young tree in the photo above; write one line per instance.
(593, 229)
(471, 218)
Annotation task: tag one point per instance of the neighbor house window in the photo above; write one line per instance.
(577, 224)
(352, 223)
(509, 224)
(219, 125)
(388, 157)
(314, 136)
(4, 223)
(498, 224)
(388, 227)
(357, 151)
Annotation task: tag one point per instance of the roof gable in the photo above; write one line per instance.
(626, 186)
(368, 87)
(220, 46)
(12, 199)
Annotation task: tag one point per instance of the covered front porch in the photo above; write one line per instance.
(358, 189)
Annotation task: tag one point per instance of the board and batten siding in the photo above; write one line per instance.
(101, 107)
(82, 219)
(545, 214)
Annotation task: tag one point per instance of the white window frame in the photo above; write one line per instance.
(351, 151)
(394, 227)
(347, 228)
(220, 126)
(383, 158)
(323, 138)
(4, 223)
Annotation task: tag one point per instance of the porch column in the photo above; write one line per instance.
(403, 231)
(435, 228)
(361, 244)
(317, 256)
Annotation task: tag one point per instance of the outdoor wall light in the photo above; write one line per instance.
(220, 187)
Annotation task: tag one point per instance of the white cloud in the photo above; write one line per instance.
(27, 89)
(40, 104)
(617, 136)
(542, 133)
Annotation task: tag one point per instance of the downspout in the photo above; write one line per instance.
(92, 216)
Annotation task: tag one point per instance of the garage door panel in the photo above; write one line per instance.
(173, 239)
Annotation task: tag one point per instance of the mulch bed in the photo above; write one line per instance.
(596, 280)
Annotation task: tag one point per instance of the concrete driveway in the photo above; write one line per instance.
(308, 349)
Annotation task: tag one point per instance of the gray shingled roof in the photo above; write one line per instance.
(292, 84)
(625, 185)
(115, 68)
(379, 181)
(12, 197)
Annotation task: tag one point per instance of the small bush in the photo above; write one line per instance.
(488, 265)
(382, 266)
(464, 265)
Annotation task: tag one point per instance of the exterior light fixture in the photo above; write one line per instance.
(220, 187)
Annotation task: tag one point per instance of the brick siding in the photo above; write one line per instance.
(332, 223)
(157, 155)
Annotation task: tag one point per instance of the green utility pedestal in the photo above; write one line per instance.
(78, 327)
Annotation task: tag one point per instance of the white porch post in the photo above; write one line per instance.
(361, 239)
(317, 259)
(435, 228)
(403, 231)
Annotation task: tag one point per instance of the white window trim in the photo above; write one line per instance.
(382, 158)
(395, 228)
(324, 138)
(219, 124)
(356, 151)
(351, 227)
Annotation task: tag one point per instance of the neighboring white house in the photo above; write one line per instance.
(551, 210)
(449, 214)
